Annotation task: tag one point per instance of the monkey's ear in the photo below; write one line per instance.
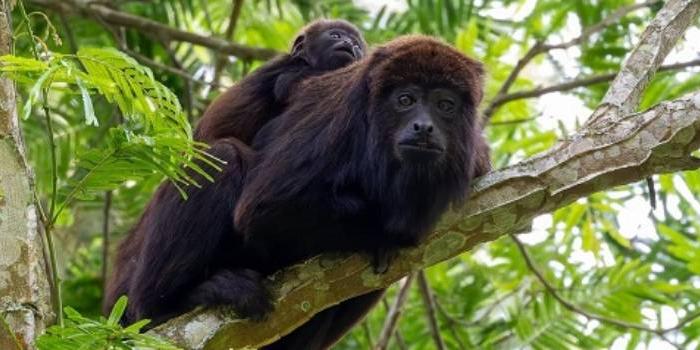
(298, 46)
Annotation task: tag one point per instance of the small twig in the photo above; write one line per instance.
(392, 318)
(514, 121)
(72, 43)
(233, 19)
(53, 216)
(105, 237)
(590, 30)
(189, 94)
(570, 85)
(666, 339)
(673, 344)
(482, 318)
(228, 35)
(50, 217)
(519, 66)
(164, 67)
(429, 302)
(397, 334)
(652, 192)
(591, 316)
(368, 333)
(540, 47)
(120, 40)
(121, 43)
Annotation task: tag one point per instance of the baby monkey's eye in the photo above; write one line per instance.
(446, 105)
(335, 35)
(406, 100)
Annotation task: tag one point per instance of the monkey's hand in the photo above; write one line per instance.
(381, 258)
(285, 83)
(241, 291)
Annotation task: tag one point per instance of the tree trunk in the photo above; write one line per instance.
(24, 290)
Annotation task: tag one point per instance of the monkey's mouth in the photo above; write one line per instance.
(422, 146)
(345, 48)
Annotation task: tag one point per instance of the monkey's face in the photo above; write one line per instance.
(333, 48)
(423, 119)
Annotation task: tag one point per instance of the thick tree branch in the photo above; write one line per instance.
(149, 27)
(640, 66)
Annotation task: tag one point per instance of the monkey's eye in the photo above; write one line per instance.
(446, 106)
(406, 100)
(335, 35)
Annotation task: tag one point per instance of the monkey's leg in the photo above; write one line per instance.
(183, 239)
(241, 289)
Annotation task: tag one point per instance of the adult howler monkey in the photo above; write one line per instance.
(364, 158)
(241, 111)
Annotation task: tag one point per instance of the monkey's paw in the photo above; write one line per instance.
(241, 292)
(381, 259)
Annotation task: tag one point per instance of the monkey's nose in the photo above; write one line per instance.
(423, 128)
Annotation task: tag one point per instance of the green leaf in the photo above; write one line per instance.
(590, 241)
(117, 311)
(90, 118)
(467, 38)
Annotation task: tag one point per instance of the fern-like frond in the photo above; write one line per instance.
(156, 136)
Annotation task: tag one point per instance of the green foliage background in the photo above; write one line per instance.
(487, 298)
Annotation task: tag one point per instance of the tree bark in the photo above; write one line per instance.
(25, 307)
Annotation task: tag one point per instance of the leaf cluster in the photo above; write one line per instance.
(84, 333)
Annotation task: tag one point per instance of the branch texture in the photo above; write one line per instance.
(640, 66)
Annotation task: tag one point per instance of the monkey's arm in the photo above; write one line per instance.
(245, 107)
(285, 83)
